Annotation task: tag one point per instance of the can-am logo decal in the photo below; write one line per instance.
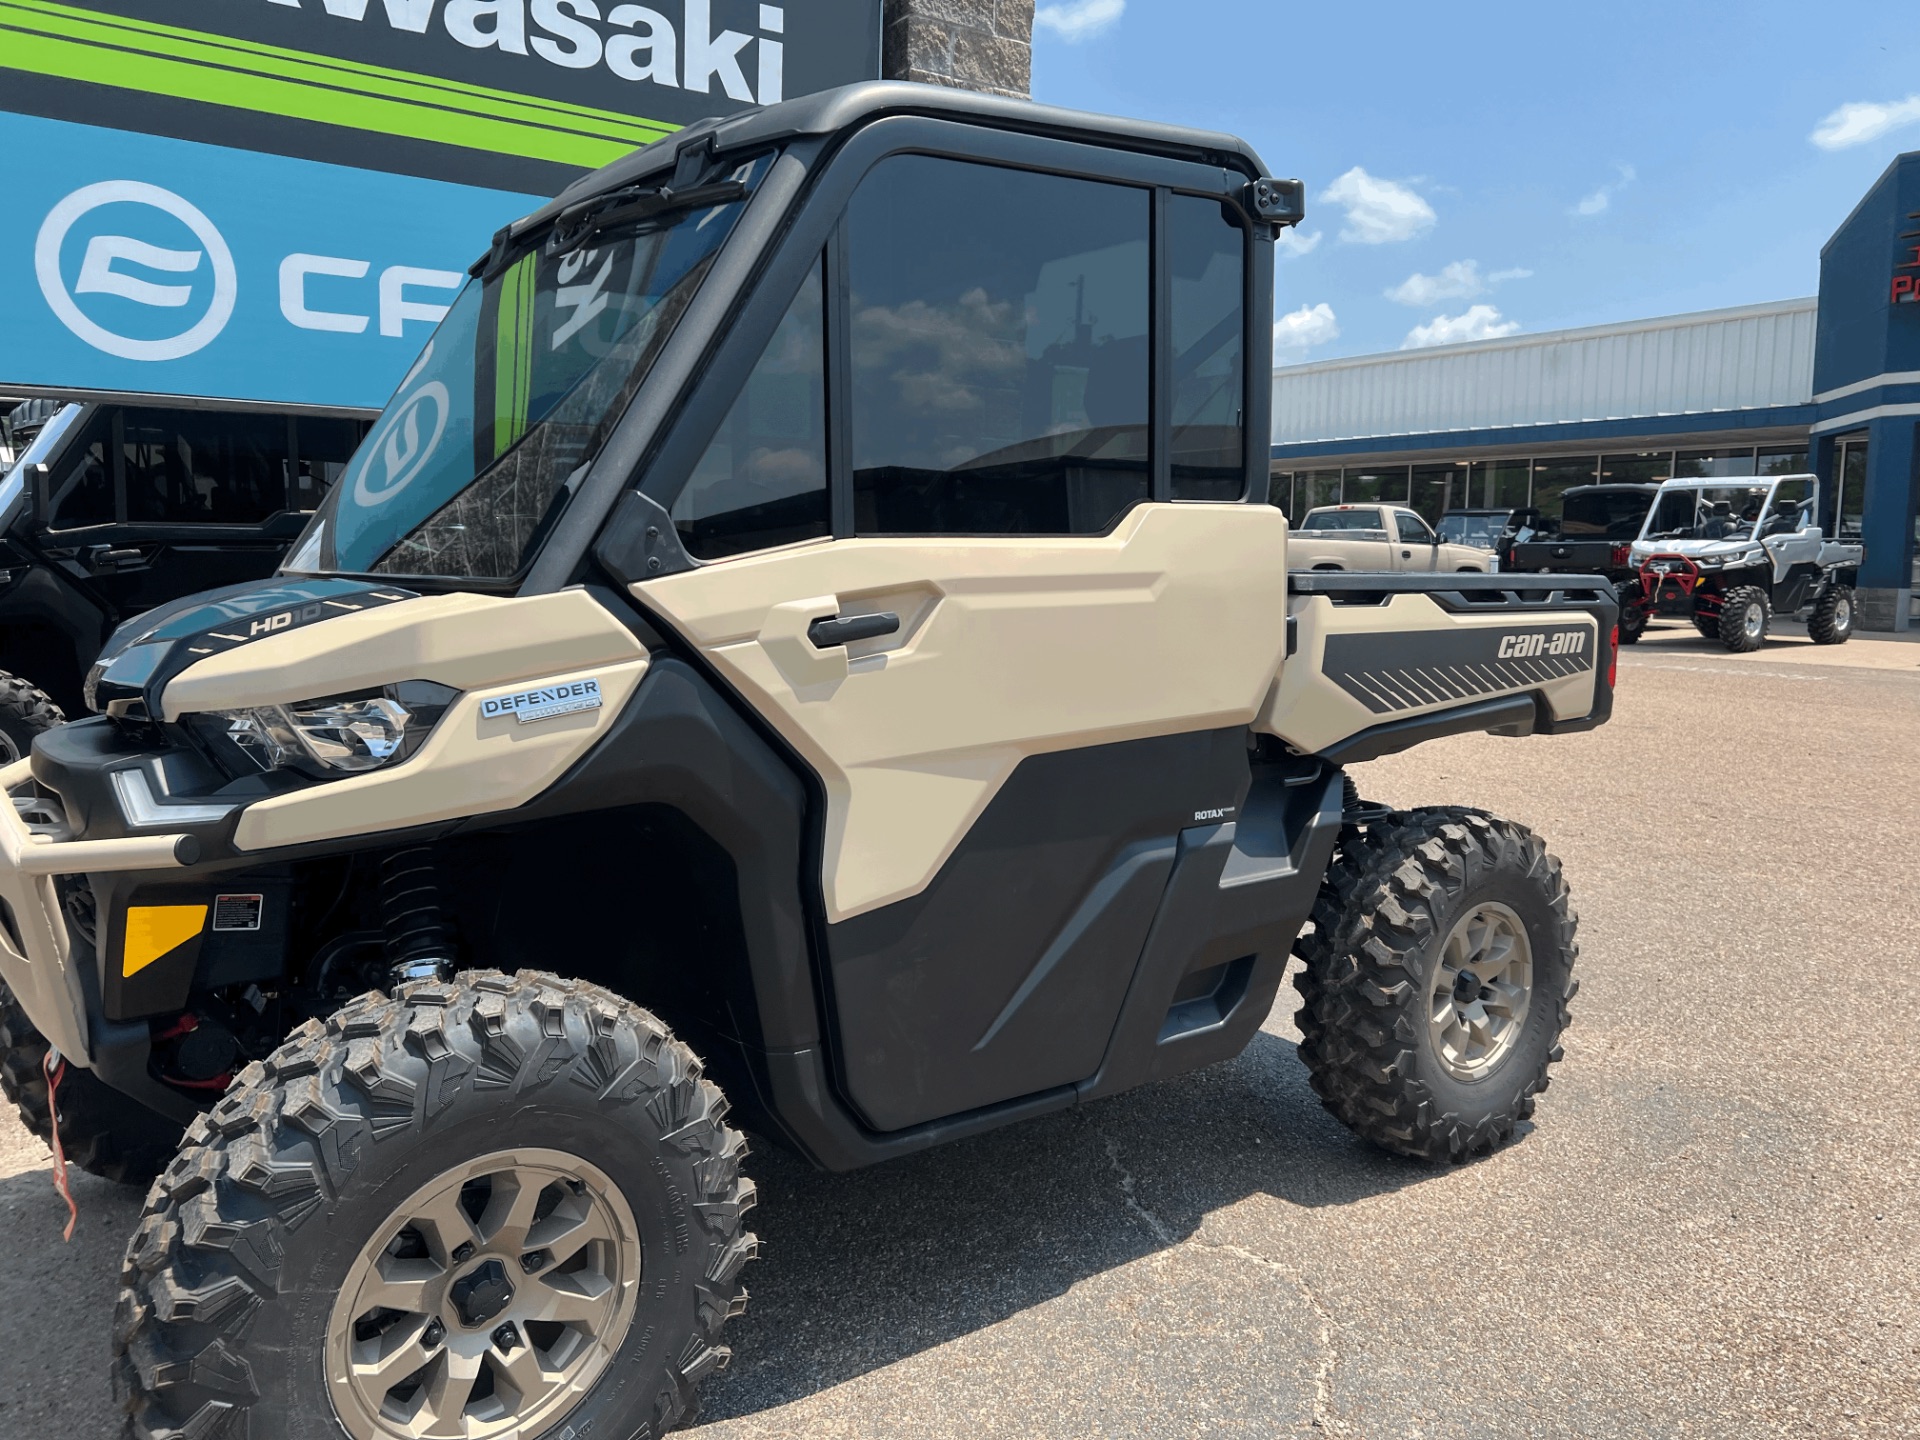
(1522, 647)
(1428, 669)
(162, 293)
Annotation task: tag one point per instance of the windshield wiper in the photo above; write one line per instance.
(614, 210)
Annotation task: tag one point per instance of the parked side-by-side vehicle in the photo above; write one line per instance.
(807, 651)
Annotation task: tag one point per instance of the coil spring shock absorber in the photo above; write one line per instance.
(419, 939)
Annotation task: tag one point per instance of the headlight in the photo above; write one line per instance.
(337, 734)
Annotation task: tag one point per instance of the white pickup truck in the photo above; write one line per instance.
(1376, 537)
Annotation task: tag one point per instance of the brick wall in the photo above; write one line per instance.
(971, 44)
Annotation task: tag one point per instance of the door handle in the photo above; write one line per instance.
(108, 558)
(1406, 554)
(832, 630)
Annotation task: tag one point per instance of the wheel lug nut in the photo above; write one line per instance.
(533, 1260)
(463, 1252)
(506, 1337)
(434, 1334)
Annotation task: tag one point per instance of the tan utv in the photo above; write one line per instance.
(1378, 537)
(809, 627)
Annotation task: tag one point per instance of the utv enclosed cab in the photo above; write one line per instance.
(816, 585)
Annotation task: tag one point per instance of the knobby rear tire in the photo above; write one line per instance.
(229, 1279)
(1384, 910)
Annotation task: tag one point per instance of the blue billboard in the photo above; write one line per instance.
(275, 203)
(170, 267)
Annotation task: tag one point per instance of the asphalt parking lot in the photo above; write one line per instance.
(1713, 1230)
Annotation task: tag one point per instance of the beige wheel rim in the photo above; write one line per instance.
(488, 1304)
(1482, 990)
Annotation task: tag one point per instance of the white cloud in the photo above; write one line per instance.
(1378, 211)
(1076, 20)
(1859, 121)
(1461, 280)
(1293, 244)
(1598, 200)
(1477, 322)
(1298, 331)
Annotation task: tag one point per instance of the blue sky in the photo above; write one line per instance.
(1479, 166)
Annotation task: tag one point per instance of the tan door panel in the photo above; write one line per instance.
(1008, 647)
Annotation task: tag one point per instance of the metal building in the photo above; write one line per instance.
(1830, 383)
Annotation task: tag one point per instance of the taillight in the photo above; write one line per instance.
(1613, 658)
(1621, 554)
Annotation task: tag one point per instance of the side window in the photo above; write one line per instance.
(998, 325)
(82, 481)
(321, 448)
(1413, 530)
(200, 467)
(1207, 249)
(763, 480)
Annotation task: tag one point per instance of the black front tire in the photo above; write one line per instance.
(228, 1290)
(102, 1131)
(1739, 631)
(1393, 895)
(1832, 620)
(25, 711)
(1633, 624)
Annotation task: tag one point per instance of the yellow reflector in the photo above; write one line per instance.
(153, 930)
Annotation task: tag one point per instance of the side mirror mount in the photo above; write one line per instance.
(40, 487)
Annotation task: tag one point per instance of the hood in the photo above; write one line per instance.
(1693, 549)
(149, 650)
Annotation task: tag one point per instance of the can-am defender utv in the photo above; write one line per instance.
(1731, 554)
(813, 606)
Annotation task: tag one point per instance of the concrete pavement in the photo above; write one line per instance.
(1712, 1230)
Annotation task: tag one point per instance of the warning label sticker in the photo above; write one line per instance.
(237, 912)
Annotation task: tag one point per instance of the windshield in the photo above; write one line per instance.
(1711, 512)
(1603, 515)
(1480, 530)
(486, 437)
(1368, 519)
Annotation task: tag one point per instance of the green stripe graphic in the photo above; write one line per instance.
(513, 355)
(59, 40)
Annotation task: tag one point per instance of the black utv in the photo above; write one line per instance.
(1592, 535)
(112, 509)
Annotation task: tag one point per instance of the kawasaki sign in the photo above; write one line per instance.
(277, 200)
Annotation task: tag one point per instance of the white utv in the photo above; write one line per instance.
(1731, 554)
(813, 608)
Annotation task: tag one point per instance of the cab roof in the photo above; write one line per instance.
(832, 112)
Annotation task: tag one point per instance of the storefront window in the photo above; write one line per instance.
(1385, 484)
(1312, 488)
(1553, 478)
(1641, 467)
(1499, 484)
(1784, 460)
(1851, 466)
(1280, 490)
(1698, 464)
(1438, 489)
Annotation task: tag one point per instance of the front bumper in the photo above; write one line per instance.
(36, 944)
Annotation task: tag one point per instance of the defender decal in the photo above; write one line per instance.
(1414, 670)
(546, 703)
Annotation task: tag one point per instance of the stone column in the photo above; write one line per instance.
(970, 44)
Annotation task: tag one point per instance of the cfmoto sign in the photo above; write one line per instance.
(135, 271)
